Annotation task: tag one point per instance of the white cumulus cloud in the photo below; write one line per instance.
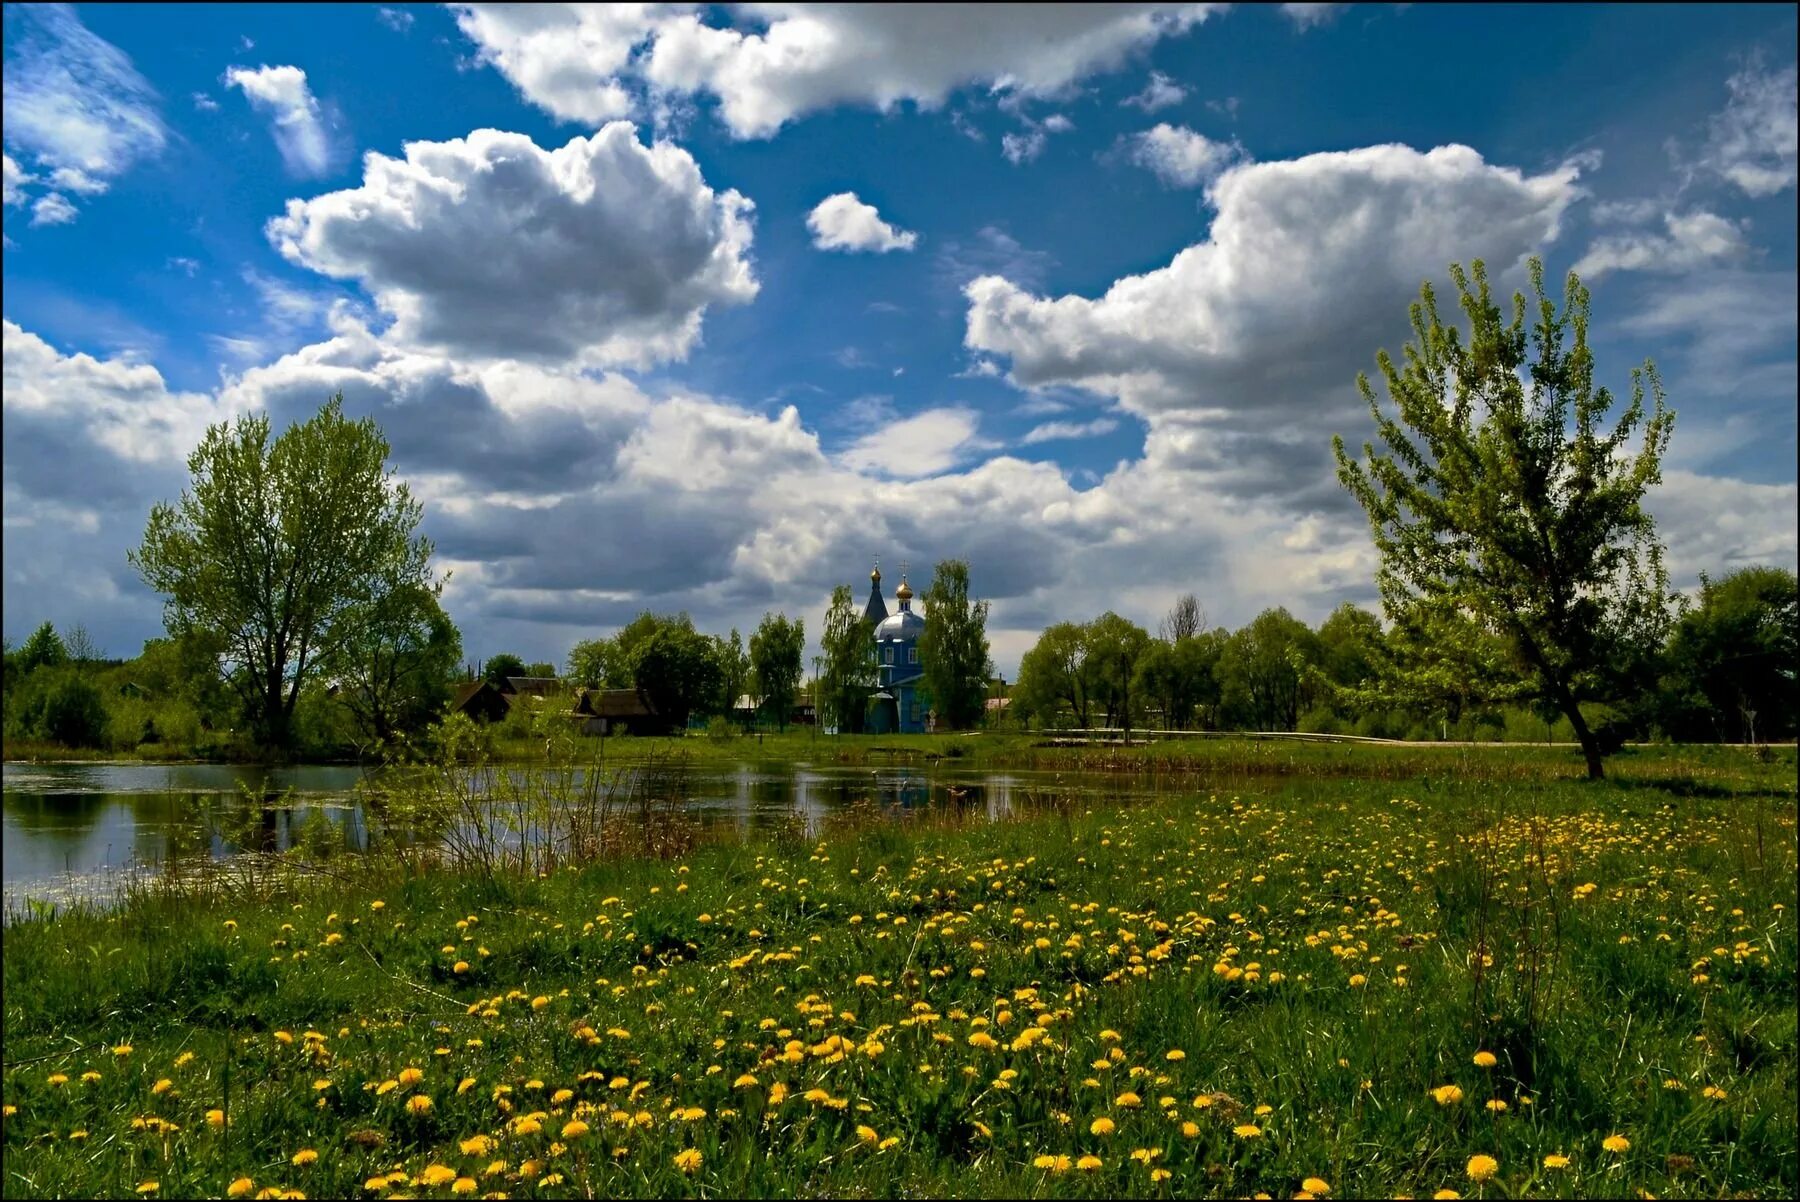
(1159, 93)
(843, 222)
(604, 250)
(1180, 157)
(282, 95)
(773, 63)
(1692, 240)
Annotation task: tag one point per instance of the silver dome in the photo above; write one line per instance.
(902, 624)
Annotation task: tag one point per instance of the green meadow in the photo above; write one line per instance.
(1460, 970)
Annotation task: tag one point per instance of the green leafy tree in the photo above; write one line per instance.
(953, 648)
(1263, 669)
(734, 671)
(1503, 499)
(1732, 660)
(1055, 673)
(396, 666)
(1114, 647)
(776, 649)
(676, 671)
(74, 713)
(590, 663)
(849, 667)
(43, 649)
(1177, 677)
(280, 547)
(501, 666)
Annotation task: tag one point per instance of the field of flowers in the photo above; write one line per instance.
(1325, 989)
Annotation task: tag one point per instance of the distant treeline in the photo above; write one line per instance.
(1726, 673)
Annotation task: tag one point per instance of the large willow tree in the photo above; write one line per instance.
(1507, 511)
(282, 550)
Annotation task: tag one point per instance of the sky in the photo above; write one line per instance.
(706, 308)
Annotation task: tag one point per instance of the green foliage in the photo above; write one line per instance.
(396, 665)
(1054, 674)
(501, 666)
(280, 549)
(734, 671)
(1501, 506)
(1264, 672)
(73, 713)
(1730, 672)
(1114, 647)
(44, 649)
(849, 667)
(775, 652)
(953, 648)
(676, 670)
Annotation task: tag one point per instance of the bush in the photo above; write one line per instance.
(719, 730)
(1322, 721)
(74, 713)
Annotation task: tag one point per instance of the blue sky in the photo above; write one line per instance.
(1088, 316)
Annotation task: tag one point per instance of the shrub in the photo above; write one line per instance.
(74, 713)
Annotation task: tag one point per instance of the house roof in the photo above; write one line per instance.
(539, 685)
(613, 703)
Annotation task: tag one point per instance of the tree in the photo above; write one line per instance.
(502, 666)
(775, 663)
(734, 671)
(1509, 504)
(281, 547)
(953, 648)
(849, 668)
(1055, 672)
(676, 671)
(1114, 646)
(1184, 620)
(81, 646)
(590, 663)
(396, 665)
(1178, 677)
(43, 649)
(1263, 670)
(1732, 659)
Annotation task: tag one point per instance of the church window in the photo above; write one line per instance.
(912, 655)
(887, 655)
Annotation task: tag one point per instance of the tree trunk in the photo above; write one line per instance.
(1590, 747)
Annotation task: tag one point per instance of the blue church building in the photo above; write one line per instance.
(897, 704)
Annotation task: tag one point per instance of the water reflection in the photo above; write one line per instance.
(64, 824)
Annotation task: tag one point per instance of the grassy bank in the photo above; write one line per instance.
(1215, 994)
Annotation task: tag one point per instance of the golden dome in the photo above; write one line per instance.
(875, 576)
(904, 592)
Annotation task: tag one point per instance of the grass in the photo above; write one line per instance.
(1227, 991)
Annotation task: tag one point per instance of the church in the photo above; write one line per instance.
(896, 705)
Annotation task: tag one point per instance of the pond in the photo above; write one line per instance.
(79, 829)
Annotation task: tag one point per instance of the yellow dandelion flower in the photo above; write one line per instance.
(1485, 1060)
(1482, 1168)
(1101, 1126)
(1447, 1095)
(419, 1104)
(1556, 1160)
(304, 1157)
(1247, 1131)
(239, 1188)
(574, 1129)
(1089, 1163)
(1616, 1144)
(689, 1160)
(1316, 1186)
